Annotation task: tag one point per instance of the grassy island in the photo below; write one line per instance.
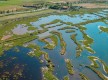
(62, 42)
(67, 27)
(69, 66)
(83, 77)
(53, 22)
(87, 40)
(93, 60)
(52, 44)
(42, 31)
(66, 78)
(70, 31)
(105, 66)
(79, 47)
(95, 64)
(101, 75)
(103, 29)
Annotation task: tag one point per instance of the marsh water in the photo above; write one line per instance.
(19, 65)
(100, 46)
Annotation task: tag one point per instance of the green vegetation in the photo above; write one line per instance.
(55, 25)
(62, 42)
(69, 66)
(1, 49)
(67, 27)
(42, 31)
(79, 47)
(48, 75)
(25, 16)
(82, 11)
(66, 78)
(31, 28)
(53, 22)
(47, 71)
(94, 63)
(9, 21)
(17, 41)
(49, 45)
(35, 51)
(52, 44)
(9, 24)
(87, 40)
(54, 39)
(49, 65)
(102, 76)
(103, 29)
(83, 76)
(70, 31)
(83, 28)
(90, 21)
(105, 66)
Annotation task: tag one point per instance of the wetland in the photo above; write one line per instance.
(55, 46)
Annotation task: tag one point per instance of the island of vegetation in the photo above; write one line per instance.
(53, 22)
(69, 66)
(67, 27)
(70, 31)
(83, 77)
(94, 63)
(105, 66)
(79, 48)
(62, 42)
(103, 29)
(102, 76)
(66, 78)
(51, 43)
(87, 40)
